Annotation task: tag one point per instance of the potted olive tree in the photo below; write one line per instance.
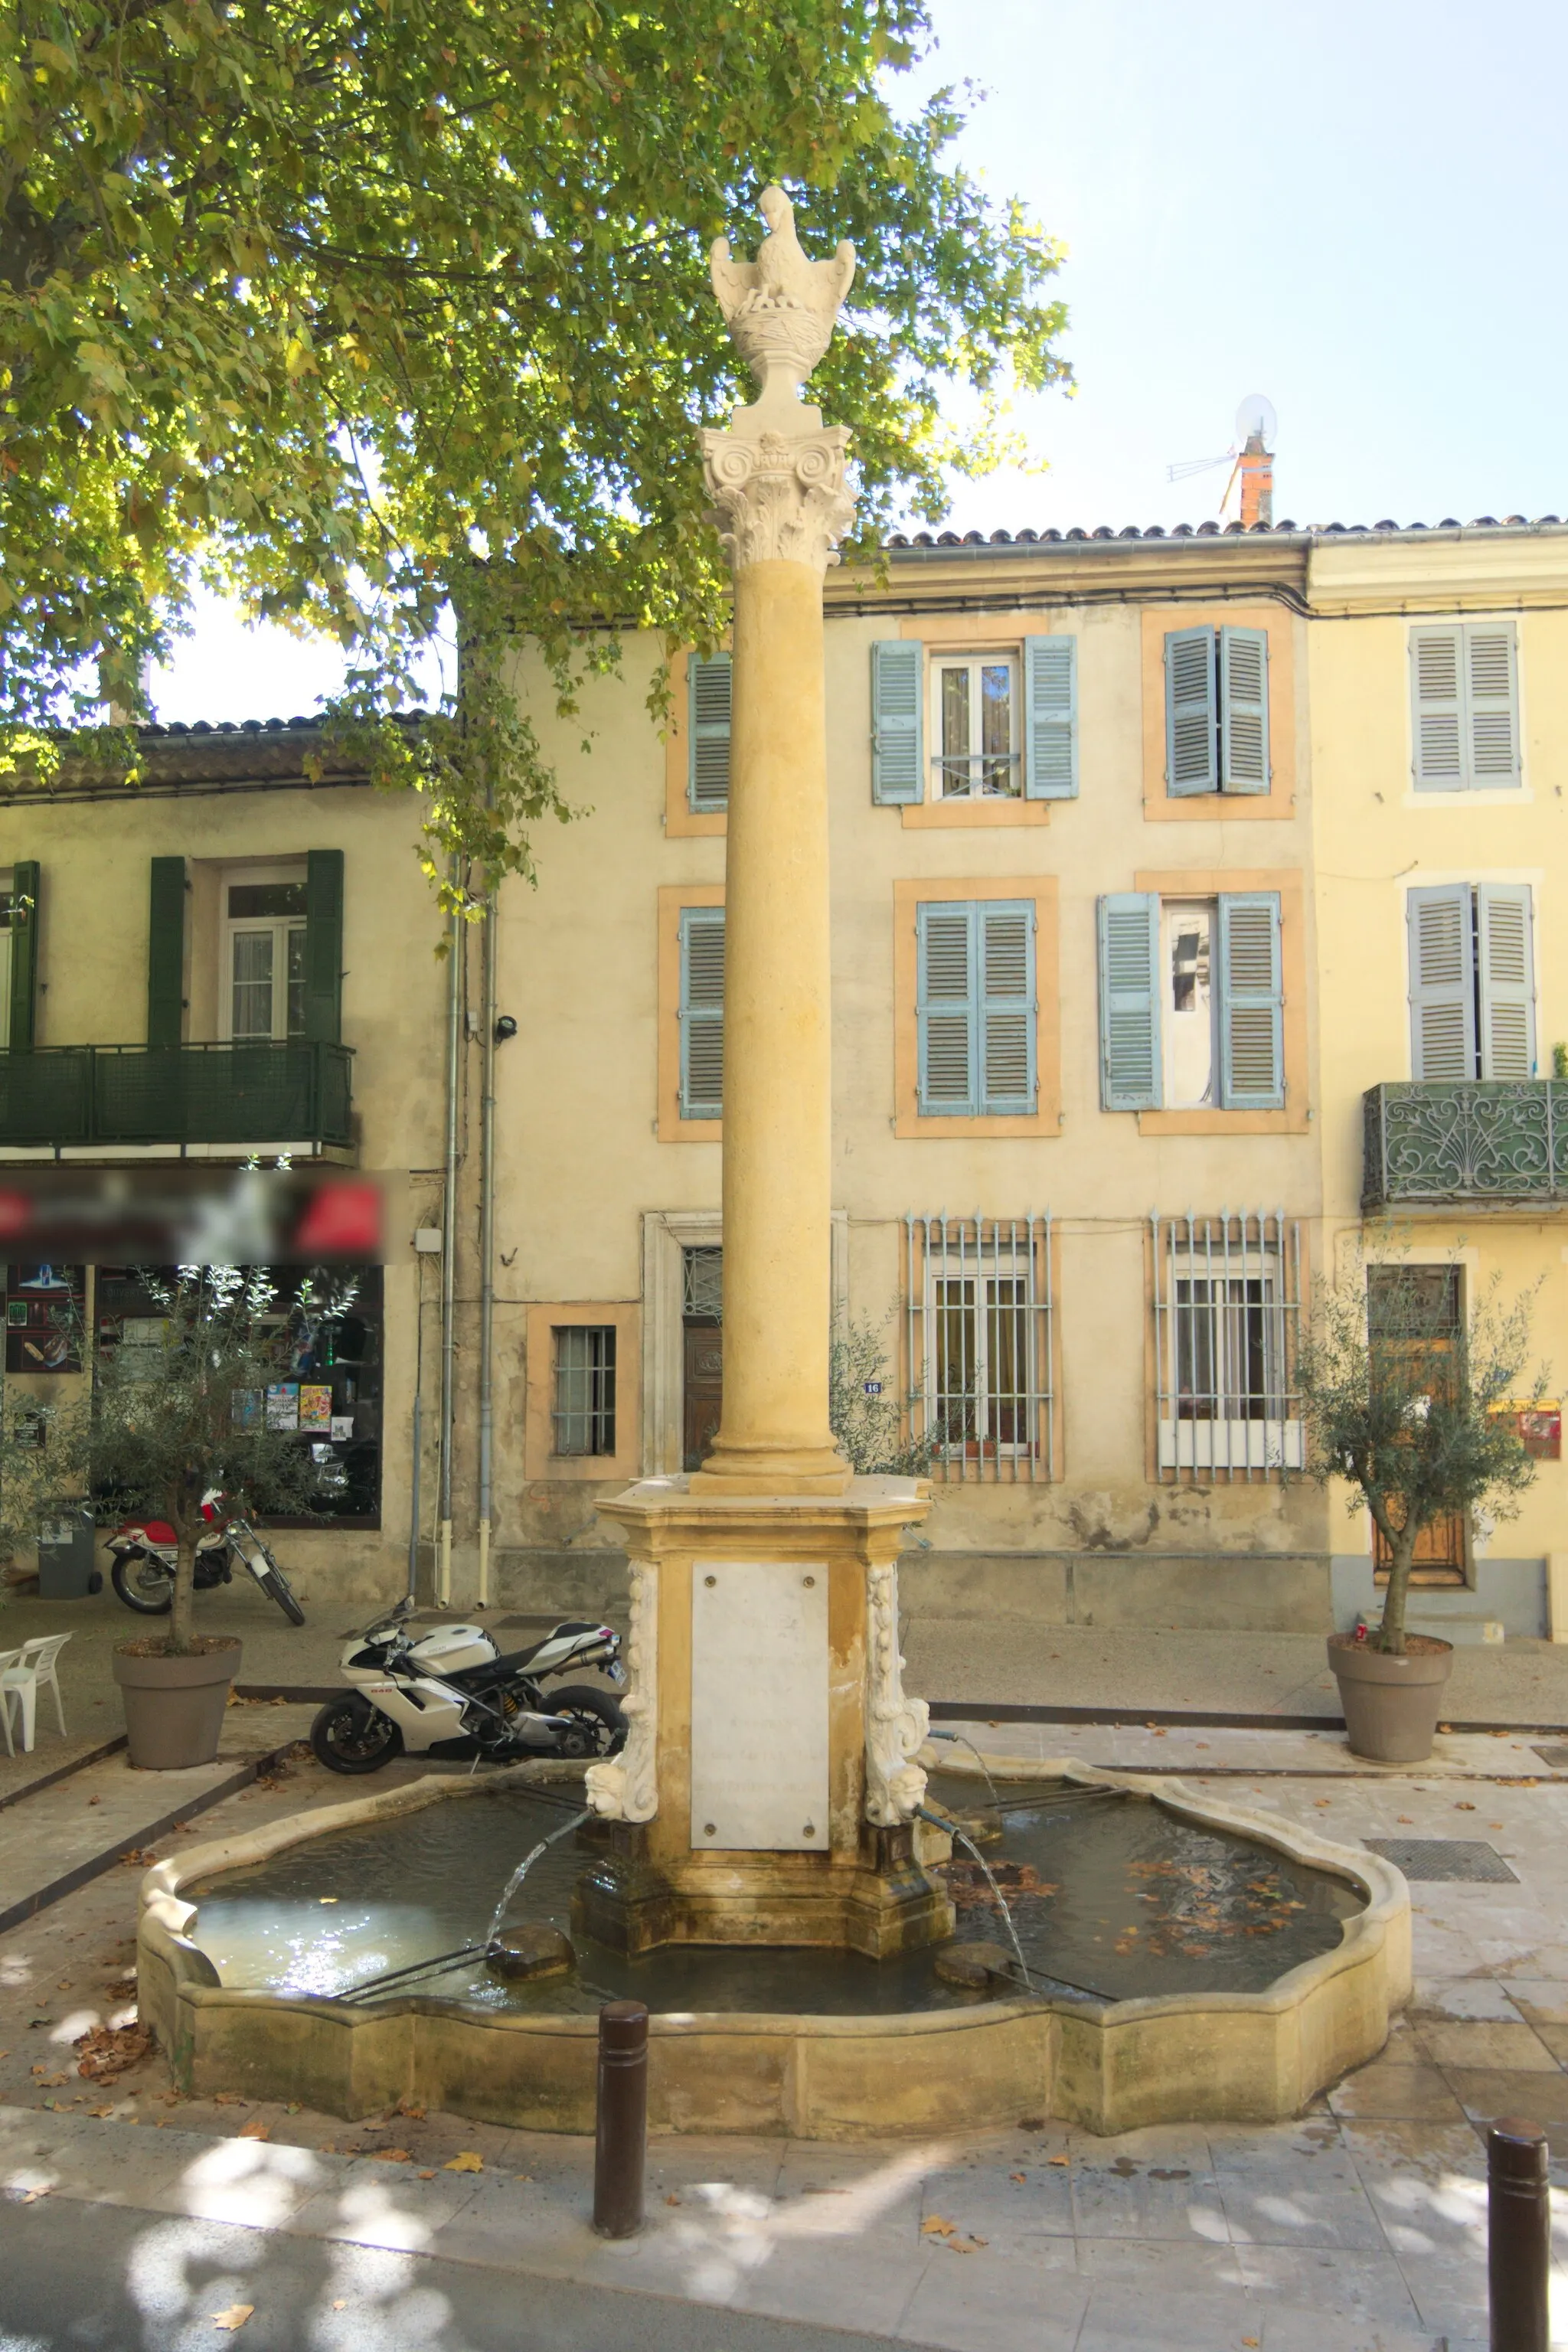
(181, 1412)
(1409, 1403)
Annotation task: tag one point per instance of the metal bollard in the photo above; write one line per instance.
(1519, 2235)
(620, 2146)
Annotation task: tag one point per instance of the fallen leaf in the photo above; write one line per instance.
(1058, 2159)
(1406, 1819)
(1464, 1806)
(522, 2176)
(235, 2316)
(393, 2154)
(1322, 1801)
(426, 2176)
(415, 2114)
(101, 2111)
(1017, 2176)
(933, 2226)
(31, 2196)
(1249, 2344)
(255, 2129)
(293, 2108)
(467, 2160)
(342, 2303)
(672, 2199)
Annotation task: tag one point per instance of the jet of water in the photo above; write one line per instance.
(964, 1839)
(524, 1867)
(962, 1739)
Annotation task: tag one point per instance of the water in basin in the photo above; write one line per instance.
(1109, 1894)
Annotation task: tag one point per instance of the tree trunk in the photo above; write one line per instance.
(1402, 1552)
(182, 1618)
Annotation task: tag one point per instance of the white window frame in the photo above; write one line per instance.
(943, 1252)
(292, 870)
(1229, 1253)
(938, 665)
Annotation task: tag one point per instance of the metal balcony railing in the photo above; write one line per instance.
(298, 1092)
(1435, 1141)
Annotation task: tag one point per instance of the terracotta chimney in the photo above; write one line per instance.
(1256, 467)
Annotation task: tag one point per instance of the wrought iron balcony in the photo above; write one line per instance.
(110, 1097)
(1433, 1143)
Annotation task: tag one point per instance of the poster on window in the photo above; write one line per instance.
(1539, 1426)
(45, 1306)
(315, 1407)
(283, 1405)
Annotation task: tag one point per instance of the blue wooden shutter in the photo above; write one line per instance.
(1505, 962)
(701, 1011)
(707, 711)
(948, 1010)
(1442, 983)
(898, 738)
(1050, 718)
(324, 945)
(1005, 963)
(25, 891)
(1251, 1002)
(1244, 710)
(167, 952)
(1192, 748)
(1129, 1078)
(1438, 722)
(1491, 710)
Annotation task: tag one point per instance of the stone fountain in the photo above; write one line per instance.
(768, 1791)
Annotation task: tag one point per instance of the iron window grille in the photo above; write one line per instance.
(979, 1344)
(1227, 1310)
(702, 1286)
(585, 1410)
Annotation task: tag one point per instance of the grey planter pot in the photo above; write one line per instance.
(1391, 1705)
(174, 1707)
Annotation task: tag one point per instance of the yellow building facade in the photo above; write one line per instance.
(1125, 834)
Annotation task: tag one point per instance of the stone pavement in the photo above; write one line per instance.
(1358, 2229)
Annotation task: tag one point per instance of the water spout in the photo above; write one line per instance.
(524, 1867)
(961, 1740)
(964, 1839)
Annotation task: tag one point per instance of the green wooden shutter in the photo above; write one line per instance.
(1007, 1007)
(1442, 983)
(167, 952)
(701, 1011)
(1251, 1002)
(1491, 704)
(709, 684)
(1243, 710)
(1192, 748)
(1437, 713)
(1050, 718)
(25, 894)
(947, 1010)
(324, 945)
(1129, 1075)
(898, 748)
(1505, 962)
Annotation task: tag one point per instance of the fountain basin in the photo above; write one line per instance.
(1110, 2065)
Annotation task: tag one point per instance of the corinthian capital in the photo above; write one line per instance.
(780, 496)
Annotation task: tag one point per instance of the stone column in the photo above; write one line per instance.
(776, 480)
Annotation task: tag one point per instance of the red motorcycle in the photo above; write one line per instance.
(145, 1552)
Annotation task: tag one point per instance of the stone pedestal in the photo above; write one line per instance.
(807, 1718)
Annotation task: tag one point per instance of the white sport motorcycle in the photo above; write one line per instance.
(447, 1691)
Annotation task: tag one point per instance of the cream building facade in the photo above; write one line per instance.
(1128, 840)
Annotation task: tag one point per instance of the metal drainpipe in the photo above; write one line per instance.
(448, 1255)
(487, 1237)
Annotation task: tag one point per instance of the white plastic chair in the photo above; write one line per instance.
(22, 1673)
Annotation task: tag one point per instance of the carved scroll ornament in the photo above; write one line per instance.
(624, 1788)
(896, 1726)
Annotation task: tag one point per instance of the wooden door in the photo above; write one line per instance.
(704, 1391)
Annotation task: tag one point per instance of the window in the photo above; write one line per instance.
(1472, 981)
(1191, 1001)
(20, 892)
(264, 959)
(708, 689)
(1465, 721)
(701, 1011)
(7, 901)
(978, 1294)
(1217, 711)
(977, 1008)
(1001, 725)
(583, 1414)
(1226, 1299)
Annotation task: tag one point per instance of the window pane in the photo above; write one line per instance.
(585, 1407)
(955, 730)
(297, 980)
(956, 1367)
(1006, 1352)
(997, 769)
(251, 1011)
(250, 902)
(1189, 1006)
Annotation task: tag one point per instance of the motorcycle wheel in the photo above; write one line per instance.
(144, 1584)
(599, 1728)
(274, 1585)
(350, 1735)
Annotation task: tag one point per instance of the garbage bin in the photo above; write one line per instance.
(65, 1571)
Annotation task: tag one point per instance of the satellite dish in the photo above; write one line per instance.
(1255, 415)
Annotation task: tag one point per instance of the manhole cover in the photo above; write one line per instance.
(1444, 1858)
(1557, 1757)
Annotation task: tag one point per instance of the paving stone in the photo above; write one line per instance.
(1121, 2316)
(1286, 2212)
(1361, 2283)
(1516, 2047)
(845, 2285)
(1480, 1998)
(1002, 2310)
(1542, 2001)
(1418, 2092)
(1487, 2093)
(1128, 2200)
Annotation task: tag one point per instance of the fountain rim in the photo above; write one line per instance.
(165, 1913)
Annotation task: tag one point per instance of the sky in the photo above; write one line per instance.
(1358, 210)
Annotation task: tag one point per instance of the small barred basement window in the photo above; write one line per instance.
(583, 1416)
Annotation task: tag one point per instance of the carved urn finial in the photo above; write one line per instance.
(781, 311)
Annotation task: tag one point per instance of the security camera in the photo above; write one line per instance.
(505, 1027)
